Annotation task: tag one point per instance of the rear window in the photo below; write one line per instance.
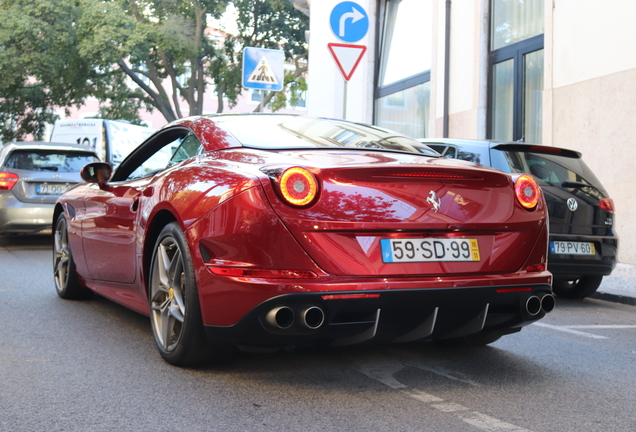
(546, 168)
(48, 160)
(278, 132)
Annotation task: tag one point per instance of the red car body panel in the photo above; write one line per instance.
(232, 214)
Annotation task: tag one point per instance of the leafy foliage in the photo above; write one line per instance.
(56, 53)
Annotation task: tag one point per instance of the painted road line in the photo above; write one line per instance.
(383, 368)
(569, 330)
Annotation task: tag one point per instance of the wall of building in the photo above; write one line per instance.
(590, 97)
(325, 94)
(468, 68)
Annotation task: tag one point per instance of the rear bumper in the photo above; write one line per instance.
(572, 266)
(16, 216)
(385, 316)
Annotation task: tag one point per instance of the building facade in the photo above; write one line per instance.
(554, 72)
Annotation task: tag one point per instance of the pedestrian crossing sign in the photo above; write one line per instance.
(263, 69)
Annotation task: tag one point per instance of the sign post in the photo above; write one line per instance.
(263, 69)
(349, 22)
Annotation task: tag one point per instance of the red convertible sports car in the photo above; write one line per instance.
(278, 230)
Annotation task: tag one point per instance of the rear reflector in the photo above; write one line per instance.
(536, 268)
(510, 290)
(262, 273)
(607, 204)
(8, 180)
(349, 296)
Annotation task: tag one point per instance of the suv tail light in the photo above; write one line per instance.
(8, 180)
(607, 204)
(527, 191)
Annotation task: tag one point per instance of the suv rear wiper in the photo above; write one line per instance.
(576, 184)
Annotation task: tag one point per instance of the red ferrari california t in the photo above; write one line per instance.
(278, 230)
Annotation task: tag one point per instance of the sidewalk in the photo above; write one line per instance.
(620, 286)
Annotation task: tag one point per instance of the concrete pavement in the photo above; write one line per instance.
(620, 286)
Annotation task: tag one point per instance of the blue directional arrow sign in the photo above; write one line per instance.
(263, 69)
(349, 21)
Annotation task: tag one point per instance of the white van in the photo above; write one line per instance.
(113, 140)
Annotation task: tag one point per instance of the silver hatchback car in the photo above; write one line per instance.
(32, 176)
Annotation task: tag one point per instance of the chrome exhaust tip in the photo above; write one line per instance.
(533, 305)
(548, 303)
(312, 317)
(281, 317)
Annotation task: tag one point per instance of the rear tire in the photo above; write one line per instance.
(579, 288)
(67, 283)
(175, 311)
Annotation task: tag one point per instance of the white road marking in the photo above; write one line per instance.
(569, 330)
(421, 396)
(445, 373)
(383, 368)
(488, 423)
(449, 407)
(597, 326)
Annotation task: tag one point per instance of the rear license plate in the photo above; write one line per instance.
(572, 248)
(51, 189)
(429, 250)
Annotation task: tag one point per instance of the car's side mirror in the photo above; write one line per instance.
(96, 172)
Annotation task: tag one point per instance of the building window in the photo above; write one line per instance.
(403, 89)
(406, 111)
(516, 70)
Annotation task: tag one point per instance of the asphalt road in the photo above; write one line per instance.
(92, 366)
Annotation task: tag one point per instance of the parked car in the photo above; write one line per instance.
(279, 230)
(32, 176)
(113, 140)
(583, 243)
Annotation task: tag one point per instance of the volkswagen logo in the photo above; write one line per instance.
(572, 204)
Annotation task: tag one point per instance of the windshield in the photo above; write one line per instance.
(278, 132)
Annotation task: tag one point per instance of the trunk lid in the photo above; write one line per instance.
(371, 201)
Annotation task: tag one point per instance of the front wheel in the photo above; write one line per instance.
(67, 283)
(175, 312)
(579, 288)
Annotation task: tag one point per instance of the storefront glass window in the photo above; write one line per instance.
(503, 99)
(533, 91)
(514, 21)
(406, 111)
(407, 40)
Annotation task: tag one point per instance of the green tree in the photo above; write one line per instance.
(39, 64)
(273, 24)
(56, 53)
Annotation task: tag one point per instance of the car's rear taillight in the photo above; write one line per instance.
(527, 191)
(607, 204)
(8, 180)
(298, 186)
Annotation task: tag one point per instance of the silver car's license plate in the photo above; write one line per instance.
(51, 189)
(429, 250)
(572, 248)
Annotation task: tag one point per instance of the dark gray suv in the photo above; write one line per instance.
(583, 243)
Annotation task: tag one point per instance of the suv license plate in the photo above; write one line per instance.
(51, 189)
(572, 248)
(429, 250)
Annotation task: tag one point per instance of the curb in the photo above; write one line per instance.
(616, 298)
